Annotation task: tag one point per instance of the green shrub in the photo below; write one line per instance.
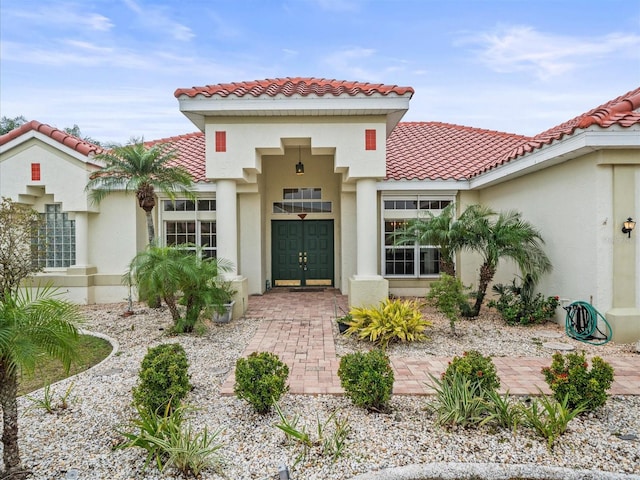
(549, 418)
(164, 378)
(502, 411)
(570, 376)
(458, 401)
(518, 306)
(367, 379)
(448, 297)
(474, 367)
(392, 321)
(261, 379)
(327, 442)
(169, 443)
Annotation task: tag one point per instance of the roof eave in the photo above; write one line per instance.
(576, 145)
(392, 106)
(33, 134)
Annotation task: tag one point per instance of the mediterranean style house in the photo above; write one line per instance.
(302, 181)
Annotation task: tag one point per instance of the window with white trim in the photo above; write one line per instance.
(191, 222)
(409, 261)
(59, 234)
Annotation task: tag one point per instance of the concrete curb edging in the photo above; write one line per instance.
(489, 471)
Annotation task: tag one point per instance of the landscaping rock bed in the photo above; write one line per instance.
(77, 442)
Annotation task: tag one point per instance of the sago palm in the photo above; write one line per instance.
(33, 326)
(507, 236)
(143, 170)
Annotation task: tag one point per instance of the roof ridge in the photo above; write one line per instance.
(289, 86)
(60, 136)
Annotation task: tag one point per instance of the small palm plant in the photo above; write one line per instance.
(178, 275)
(32, 325)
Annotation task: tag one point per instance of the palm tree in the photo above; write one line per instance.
(178, 275)
(32, 326)
(508, 236)
(143, 170)
(440, 230)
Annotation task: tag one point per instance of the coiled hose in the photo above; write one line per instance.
(582, 323)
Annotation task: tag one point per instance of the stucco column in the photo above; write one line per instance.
(366, 226)
(227, 223)
(624, 316)
(227, 240)
(82, 239)
(366, 287)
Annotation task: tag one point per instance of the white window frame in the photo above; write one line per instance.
(195, 216)
(401, 215)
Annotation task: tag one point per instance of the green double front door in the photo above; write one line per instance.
(302, 252)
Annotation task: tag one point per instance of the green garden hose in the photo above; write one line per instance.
(582, 323)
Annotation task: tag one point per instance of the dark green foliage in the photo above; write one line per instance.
(447, 295)
(519, 306)
(180, 276)
(475, 367)
(261, 379)
(367, 379)
(164, 378)
(569, 377)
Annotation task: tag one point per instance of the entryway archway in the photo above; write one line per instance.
(302, 253)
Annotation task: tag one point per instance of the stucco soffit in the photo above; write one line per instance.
(199, 107)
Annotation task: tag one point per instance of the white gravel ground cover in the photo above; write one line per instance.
(77, 442)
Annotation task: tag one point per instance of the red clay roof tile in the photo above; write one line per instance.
(290, 86)
(443, 151)
(81, 146)
(190, 153)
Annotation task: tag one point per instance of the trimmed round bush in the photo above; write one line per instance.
(261, 380)
(367, 379)
(164, 378)
(475, 367)
(569, 376)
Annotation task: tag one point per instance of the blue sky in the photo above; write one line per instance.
(111, 66)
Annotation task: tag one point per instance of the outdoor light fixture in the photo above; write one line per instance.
(299, 165)
(628, 226)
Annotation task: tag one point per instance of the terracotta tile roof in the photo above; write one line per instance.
(623, 111)
(443, 151)
(75, 143)
(290, 86)
(190, 150)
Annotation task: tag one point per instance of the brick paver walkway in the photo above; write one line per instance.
(298, 327)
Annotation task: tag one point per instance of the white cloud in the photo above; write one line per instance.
(62, 15)
(547, 55)
(156, 18)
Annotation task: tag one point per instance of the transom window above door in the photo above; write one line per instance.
(302, 200)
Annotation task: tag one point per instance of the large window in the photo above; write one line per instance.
(191, 222)
(302, 200)
(409, 260)
(59, 235)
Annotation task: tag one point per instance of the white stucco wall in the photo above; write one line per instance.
(249, 138)
(64, 174)
(571, 206)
